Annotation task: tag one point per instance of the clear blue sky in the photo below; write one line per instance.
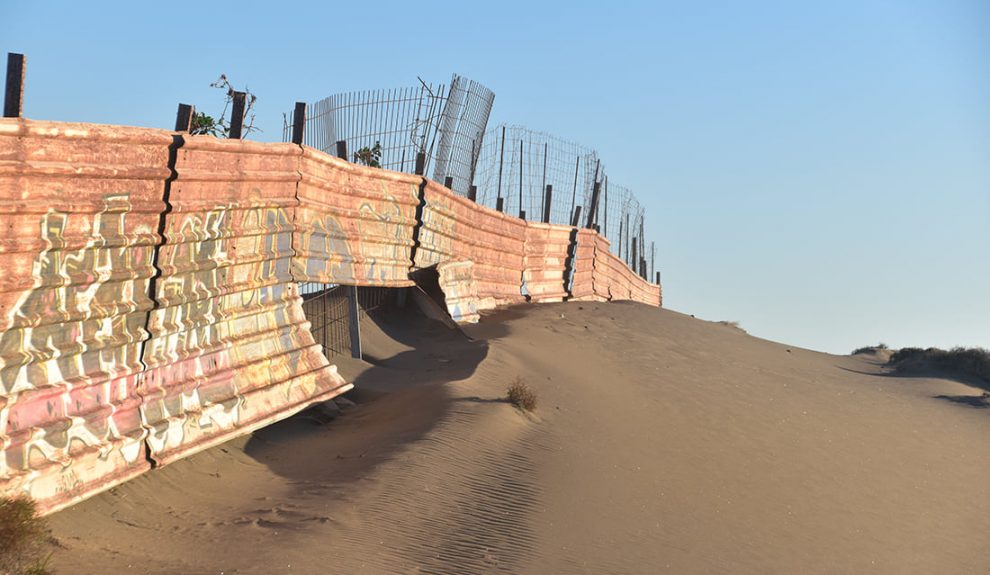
(819, 173)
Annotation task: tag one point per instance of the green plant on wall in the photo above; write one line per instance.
(204, 124)
(369, 156)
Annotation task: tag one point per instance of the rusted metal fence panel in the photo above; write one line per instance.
(354, 224)
(584, 261)
(79, 205)
(600, 280)
(230, 349)
(457, 281)
(455, 228)
(546, 257)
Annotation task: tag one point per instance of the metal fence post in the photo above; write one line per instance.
(13, 100)
(632, 263)
(546, 204)
(577, 217)
(342, 149)
(237, 116)
(184, 118)
(448, 182)
(593, 209)
(420, 163)
(499, 204)
(354, 319)
(473, 193)
(298, 123)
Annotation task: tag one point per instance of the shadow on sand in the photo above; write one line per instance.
(398, 387)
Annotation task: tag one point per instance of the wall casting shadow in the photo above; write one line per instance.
(400, 397)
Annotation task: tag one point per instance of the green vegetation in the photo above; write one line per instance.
(24, 537)
(203, 124)
(369, 156)
(521, 395)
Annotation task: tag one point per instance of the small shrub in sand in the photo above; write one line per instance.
(23, 538)
(521, 395)
(870, 349)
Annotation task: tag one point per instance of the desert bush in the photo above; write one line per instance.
(23, 538)
(521, 395)
(870, 348)
(971, 362)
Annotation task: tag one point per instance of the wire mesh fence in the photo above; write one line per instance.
(389, 128)
(512, 166)
(517, 164)
(327, 308)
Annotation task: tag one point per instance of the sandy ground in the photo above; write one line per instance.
(661, 443)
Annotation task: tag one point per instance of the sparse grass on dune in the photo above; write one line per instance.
(23, 538)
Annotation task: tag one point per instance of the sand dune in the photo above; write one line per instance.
(661, 444)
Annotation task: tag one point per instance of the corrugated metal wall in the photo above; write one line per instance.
(149, 287)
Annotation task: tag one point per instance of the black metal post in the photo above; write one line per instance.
(632, 262)
(628, 230)
(354, 319)
(521, 179)
(448, 182)
(547, 198)
(577, 217)
(658, 278)
(606, 206)
(13, 99)
(473, 193)
(593, 209)
(499, 204)
(298, 123)
(544, 170)
(620, 239)
(653, 256)
(522, 214)
(237, 116)
(574, 191)
(184, 118)
(501, 158)
(342, 149)
(420, 163)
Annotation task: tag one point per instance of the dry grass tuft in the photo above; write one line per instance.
(23, 538)
(521, 395)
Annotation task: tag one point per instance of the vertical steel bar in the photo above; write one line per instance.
(546, 203)
(13, 99)
(521, 178)
(184, 118)
(544, 185)
(593, 209)
(237, 116)
(501, 157)
(298, 123)
(574, 192)
(354, 318)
